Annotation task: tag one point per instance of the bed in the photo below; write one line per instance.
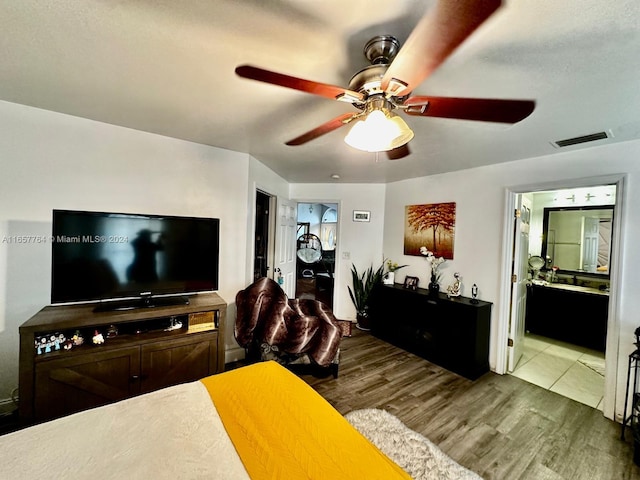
(255, 422)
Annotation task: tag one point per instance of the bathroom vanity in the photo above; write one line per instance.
(571, 313)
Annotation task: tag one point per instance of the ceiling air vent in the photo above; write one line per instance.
(584, 139)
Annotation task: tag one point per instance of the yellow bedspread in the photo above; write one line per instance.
(283, 429)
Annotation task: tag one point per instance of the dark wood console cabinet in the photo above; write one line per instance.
(450, 332)
(143, 356)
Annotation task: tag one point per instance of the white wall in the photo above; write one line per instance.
(49, 160)
(360, 242)
(480, 224)
(266, 180)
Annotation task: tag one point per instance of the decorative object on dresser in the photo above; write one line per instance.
(455, 289)
(392, 267)
(450, 332)
(474, 294)
(411, 283)
(143, 356)
(435, 262)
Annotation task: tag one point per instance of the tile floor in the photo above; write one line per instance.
(569, 370)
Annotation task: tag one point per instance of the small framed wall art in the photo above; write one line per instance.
(361, 216)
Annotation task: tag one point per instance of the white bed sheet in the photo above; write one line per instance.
(172, 433)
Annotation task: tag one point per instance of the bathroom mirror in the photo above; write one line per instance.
(578, 239)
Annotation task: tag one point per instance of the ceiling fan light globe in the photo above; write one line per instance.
(404, 133)
(379, 133)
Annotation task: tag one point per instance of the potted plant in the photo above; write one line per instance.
(389, 277)
(361, 292)
(434, 284)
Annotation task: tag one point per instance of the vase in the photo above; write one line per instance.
(434, 286)
(389, 278)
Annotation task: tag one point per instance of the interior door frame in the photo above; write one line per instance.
(612, 364)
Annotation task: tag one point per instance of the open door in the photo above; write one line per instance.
(519, 282)
(285, 266)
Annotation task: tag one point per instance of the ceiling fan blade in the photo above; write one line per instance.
(309, 86)
(433, 39)
(481, 109)
(327, 127)
(399, 152)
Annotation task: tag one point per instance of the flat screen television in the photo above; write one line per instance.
(132, 260)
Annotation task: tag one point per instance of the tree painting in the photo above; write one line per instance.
(431, 226)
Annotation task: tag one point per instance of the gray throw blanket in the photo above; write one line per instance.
(294, 326)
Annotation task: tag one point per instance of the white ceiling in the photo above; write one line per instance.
(167, 67)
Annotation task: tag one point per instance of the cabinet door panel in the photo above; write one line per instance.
(80, 382)
(180, 361)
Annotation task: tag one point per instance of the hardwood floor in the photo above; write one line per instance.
(498, 426)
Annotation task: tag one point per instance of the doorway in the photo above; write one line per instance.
(558, 350)
(261, 258)
(316, 240)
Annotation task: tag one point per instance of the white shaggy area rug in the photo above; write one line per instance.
(414, 453)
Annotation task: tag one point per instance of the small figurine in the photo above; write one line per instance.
(455, 289)
(474, 294)
(77, 338)
(98, 338)
(174, 324)
(68, 344)
(112, 331)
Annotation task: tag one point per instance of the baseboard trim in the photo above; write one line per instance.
(234, 354)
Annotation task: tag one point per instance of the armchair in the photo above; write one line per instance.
(270, 326)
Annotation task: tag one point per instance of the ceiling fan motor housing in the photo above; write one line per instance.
(381, 49)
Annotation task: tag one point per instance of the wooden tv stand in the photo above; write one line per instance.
(143, 356)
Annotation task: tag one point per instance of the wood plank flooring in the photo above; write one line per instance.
(498, 426)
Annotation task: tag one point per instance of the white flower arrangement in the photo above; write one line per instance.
(434, 261)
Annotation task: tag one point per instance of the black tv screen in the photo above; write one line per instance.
(106, 256)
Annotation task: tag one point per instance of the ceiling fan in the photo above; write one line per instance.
(386, 84)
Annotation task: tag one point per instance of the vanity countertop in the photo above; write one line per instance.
(572, 288)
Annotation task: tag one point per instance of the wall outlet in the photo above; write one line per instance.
(346, 255)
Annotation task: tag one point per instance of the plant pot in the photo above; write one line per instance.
(389, 278)
(364, 323)
(434, 288)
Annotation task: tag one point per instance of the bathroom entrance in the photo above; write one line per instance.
(562, 260)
